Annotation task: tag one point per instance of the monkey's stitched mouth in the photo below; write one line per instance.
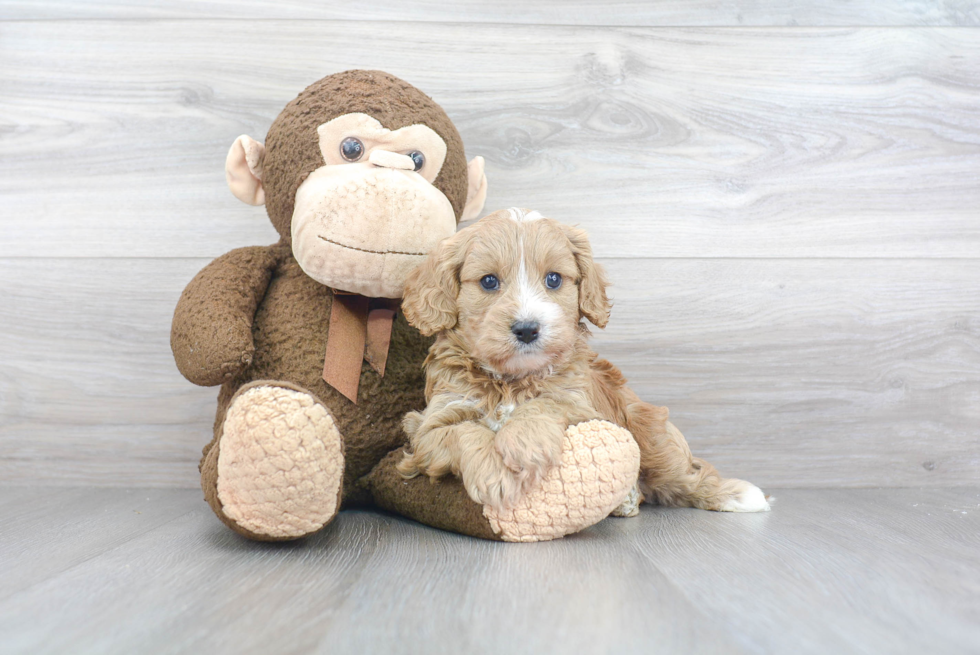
(373, 252)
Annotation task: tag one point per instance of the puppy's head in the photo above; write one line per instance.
(514, 287)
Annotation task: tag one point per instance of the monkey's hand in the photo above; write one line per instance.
(211, 334)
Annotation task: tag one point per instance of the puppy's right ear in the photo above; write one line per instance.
(243, 170)
(429, 301)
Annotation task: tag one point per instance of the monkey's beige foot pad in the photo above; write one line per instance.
(281, 463)
(599, 465)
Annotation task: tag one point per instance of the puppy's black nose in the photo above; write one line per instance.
(525, 331)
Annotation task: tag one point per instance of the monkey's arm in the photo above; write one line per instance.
(211, 334)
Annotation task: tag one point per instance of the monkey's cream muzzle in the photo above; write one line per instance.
(363, 227)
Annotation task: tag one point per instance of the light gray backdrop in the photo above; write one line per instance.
(786, 196)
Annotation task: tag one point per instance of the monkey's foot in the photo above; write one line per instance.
(599, 466)
(280, 464)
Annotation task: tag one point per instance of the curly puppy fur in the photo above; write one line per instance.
(511, 369)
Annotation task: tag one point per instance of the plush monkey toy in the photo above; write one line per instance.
(362, 174)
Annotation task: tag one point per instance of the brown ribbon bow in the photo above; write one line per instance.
(359, 330)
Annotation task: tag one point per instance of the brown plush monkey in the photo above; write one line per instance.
(362, 174)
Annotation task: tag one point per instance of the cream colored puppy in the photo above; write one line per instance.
(511, 369)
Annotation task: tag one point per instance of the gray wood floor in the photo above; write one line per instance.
(87, 570)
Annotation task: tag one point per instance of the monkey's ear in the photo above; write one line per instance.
(431, 290)
(593, 303)
(243, 170)
(476, 189)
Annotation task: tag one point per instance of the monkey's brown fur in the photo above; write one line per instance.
(254, 315)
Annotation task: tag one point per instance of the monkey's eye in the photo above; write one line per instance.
(418, 158)
(489, 283)
(552, 280)
(351, 149)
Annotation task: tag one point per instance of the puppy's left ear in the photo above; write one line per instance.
(429, 300)
(592, 300)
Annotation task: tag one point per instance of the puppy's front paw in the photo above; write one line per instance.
(529, 449)
(407, 467)
(489, 481)
(411, 423)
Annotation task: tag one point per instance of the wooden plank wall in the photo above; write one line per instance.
(786, 195)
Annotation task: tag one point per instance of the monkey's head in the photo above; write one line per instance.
(364, 174)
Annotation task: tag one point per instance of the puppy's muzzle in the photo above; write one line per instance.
(525, 331)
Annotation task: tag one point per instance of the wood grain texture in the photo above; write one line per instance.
(70, 526)
(542, 12)
(768, 142)
(808, 364)
(788, 373)
(870, 571)
(843, 571)
(207, 589)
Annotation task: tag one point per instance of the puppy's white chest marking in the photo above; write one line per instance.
(499, 415)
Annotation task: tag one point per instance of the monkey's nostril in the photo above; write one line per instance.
(526, 332)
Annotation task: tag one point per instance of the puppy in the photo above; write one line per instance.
(511, 369)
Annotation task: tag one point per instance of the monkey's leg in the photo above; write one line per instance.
(671, 476)
(598, 468)
(275, 471)
(441, 504)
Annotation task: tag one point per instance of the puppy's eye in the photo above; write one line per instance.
(351, 149)
(490, 283)
(552, 280)
(418, 158)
